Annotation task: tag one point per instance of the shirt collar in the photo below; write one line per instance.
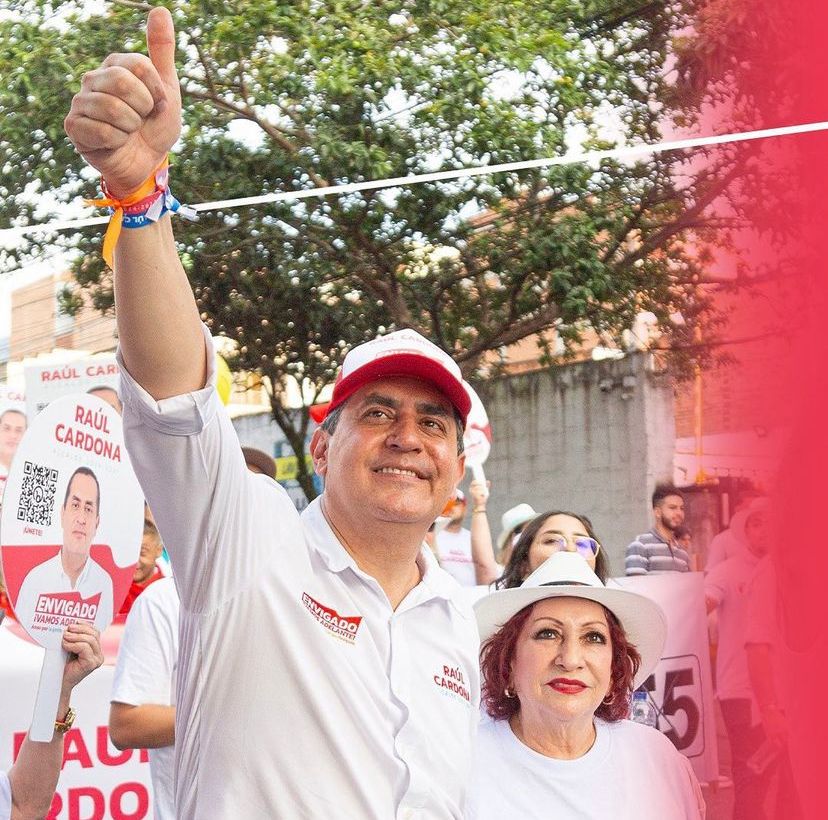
(656, 534)
(83, 573)
(435, 582)
(322, 539)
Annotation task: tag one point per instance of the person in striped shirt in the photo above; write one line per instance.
(658, 550)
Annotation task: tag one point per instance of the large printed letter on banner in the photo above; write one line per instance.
(681, 684)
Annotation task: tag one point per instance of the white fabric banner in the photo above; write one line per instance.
(682, 686)
(97, 780)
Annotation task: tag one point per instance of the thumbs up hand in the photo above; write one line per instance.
(127, 114)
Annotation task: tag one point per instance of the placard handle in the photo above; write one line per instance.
(48, 695)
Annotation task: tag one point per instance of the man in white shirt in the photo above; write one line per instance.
(27, 790)
(326, 666)
(72, 575)
(142, 713)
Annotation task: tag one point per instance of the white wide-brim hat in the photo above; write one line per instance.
(512, 518)
(567, 575)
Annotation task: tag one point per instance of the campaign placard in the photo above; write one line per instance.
(45, 383)
(477, 437)
(71, 524)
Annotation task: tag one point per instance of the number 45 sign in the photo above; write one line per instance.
(681, 686)
(676, 690)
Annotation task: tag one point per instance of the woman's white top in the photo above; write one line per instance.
(632, 771)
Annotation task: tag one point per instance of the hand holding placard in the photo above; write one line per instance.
(71, 532)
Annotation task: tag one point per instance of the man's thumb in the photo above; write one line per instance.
(161, 44)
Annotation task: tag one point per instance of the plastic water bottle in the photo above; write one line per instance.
(643, 710)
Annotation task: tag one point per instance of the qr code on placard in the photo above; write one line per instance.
(37, 495)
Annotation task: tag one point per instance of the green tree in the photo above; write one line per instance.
(285, 96)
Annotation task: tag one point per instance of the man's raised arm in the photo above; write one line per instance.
(124, 121)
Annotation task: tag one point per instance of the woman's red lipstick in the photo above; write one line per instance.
(566, 686)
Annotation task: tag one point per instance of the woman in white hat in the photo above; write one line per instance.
(560, 657)
(512, 523)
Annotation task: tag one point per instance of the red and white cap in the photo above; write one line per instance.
(401, 353)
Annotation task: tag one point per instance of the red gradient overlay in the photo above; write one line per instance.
(773, 60)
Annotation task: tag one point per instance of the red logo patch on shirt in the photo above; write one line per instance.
(340, 626)
(451, 681)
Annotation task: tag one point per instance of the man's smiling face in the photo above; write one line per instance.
(393, 455)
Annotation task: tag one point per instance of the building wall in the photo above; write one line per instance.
(592, 437)
(36, 326)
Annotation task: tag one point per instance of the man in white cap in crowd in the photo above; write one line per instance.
(326, 668)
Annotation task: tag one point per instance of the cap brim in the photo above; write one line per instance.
(319, 411)
(642, 618)
(407, 365)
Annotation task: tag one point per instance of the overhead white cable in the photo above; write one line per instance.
(572, 158)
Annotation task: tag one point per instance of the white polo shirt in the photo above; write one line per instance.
(49, 577)
(301, 692)
(146, 672)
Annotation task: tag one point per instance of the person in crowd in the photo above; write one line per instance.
(512, 523)
(767, 656)
(12, 428)
(73, 569)
(453, 543)
(548, 533)
(726, 544)
(330, 631)
(259, 462)
(147, 570)
(561, 656)
(142, 707)
(658, 550)
(726, 590)
(684, 538)
(108, 394)
(482, 547)
(5, 604)
(27, 789)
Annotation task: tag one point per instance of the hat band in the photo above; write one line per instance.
(564, 584)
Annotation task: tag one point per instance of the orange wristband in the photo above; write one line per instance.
(151, 185)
